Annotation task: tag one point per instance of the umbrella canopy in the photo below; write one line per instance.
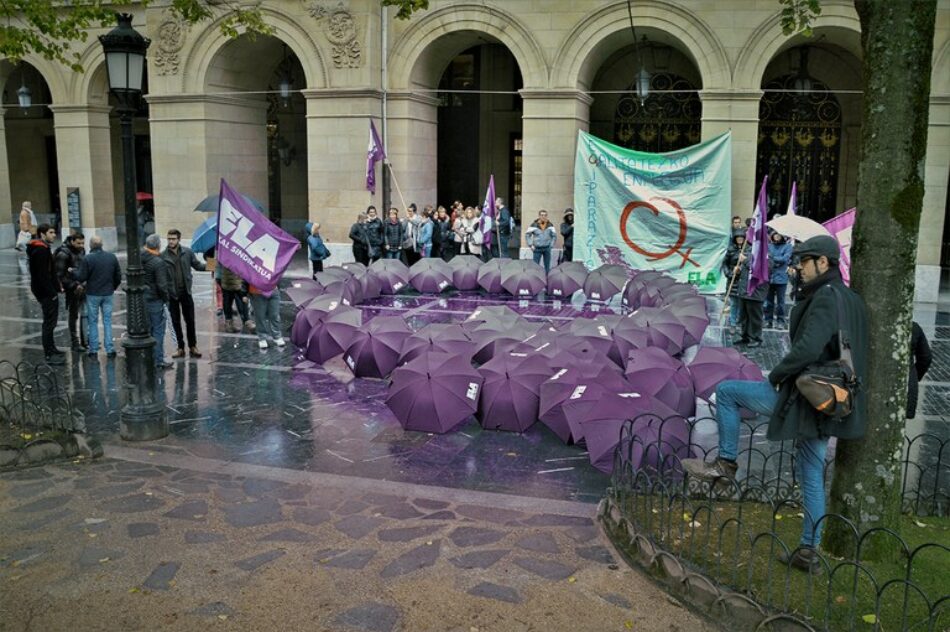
(523, 278)
(713, 365)
(797, 227)
(370, 285)
(324, 303)
(303, 325)
(354, 267)
(434, 392)
(663, 328)
(393, 275)
(465, 272)
(656, 443)
(674, 293)
(205, 236)
(493, 338)
(598, 332)
(605, 282)
(497, 314)
(566, 278)
(654, 372)
(693, 317)
(511, 392)
(303, 291)
(374, 350)
(332, 333)
(333, 273)
(489, 276)
(430, 276)
(444, 337)
(349, 290)
(547, 341)
(629, 335)
(210, 204)
(572, 382)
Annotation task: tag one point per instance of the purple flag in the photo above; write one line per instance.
(488, 211)
(249, 244)
(840, 227)
(793, 200)
(374, 153)
(758, 239)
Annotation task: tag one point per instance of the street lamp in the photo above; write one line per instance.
(143, 416)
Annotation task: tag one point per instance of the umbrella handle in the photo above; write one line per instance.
(725, 303)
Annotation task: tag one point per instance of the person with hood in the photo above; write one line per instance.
(567, 232)
(921, 357)
(157, 295)
(181, 261)
(750, 303)
(813, 331)
(424, 239)
(99, 272)
(729, 265)
(541, 237)
(780, 256)
(316, 249)
(358, 237)
(394, 233)
(45, 286)
(68, 258)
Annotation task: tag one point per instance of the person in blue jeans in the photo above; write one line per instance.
(780, 256)
(100, 273)
(814, 326)
(540, 237)
(156, 295)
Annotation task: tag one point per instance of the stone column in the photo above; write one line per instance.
(84, 160)
(7, 207)
(739, 112)
(414, 148)
(551, 120)
(933, 216)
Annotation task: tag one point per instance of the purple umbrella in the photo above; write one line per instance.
(303, 324)
(523, 278)
(333, 273)
(348, 290)
(566, 278)
(673, 294)
(571, 382)
(493, 338)
(628, 336)
(354, 267)
(604, 282)
(576, 353)
(374, 349)
(370, 285)
(598, 332)
(303, 291)
(655, 442)
(693, 318)
(324, 303)
(489, 276)
(713, 365)
(654, 372)
(445, 337)
(465, 272)
(434, 392)
(499, 314)
(664, 329)
(430, 276)
(332, 333)
(393, 275)
(547, 341)
(510, 395)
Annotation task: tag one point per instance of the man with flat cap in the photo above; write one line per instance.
(813, 329)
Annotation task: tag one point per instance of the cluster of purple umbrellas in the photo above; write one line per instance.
(582, 379)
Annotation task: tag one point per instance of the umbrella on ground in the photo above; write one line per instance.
(324, 303)
(566, 278)
(654, 372)
(679, 291)
(393, 275)
(523, 278)
(465, 272)
(713, 365)
(303, 291)
(354, 267)
(444, 337)
(693, 317)
(303, 325)
(205, 236)
(629, 335)
(797, 227)
(370, 285)
(493, 338)
(604, 282)
(489, 276)
(547, 341)
(499, 314)
(430, 276)
(374, 349)
(579, 354)
(510, 394)
(655, 441)
(664, 329)
(333, 273)
(434, 392)
(210, 204)
(572, 382)
(598, 332)
(332, 333)
(349, 290)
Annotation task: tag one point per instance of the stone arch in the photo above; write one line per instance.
(91, 86)
(768, 40)
(52, 74)
(200, 55)
(591, 42)
(406, 55)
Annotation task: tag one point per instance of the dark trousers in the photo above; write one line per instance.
(411, 256)
(751, 319)
(75, 305)
(567, 253)
(183, 305)
(448, 250)
(316, 265)
(50, 317)
(360, 254)
(230, 297)
(775, 302)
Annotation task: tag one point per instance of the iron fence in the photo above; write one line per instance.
(33, 399)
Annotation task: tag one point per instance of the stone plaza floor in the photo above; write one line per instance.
(293, 499)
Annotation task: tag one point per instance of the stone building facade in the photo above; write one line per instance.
(543, 69)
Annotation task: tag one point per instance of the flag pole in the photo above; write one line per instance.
(725, 303)
(396, 182)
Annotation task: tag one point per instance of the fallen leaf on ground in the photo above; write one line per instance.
(841, 599)
(869, 618)
(628, 625)
(920, 524)
(571, 580)
(103, 560)
(27, 437)
(133, 590)
(223, 617)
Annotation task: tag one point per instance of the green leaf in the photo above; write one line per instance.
(869, 618)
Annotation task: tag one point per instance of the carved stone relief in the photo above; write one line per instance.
(340, 29)
(170, 40)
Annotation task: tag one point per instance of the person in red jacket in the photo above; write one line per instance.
(46, 287)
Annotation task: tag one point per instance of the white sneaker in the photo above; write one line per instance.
(262, 344)
(280, 342)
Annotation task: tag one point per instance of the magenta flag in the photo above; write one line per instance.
(249, 244)
(488, 212)
(793, 200)
(374, 153)
(758, 239)
(840, 227)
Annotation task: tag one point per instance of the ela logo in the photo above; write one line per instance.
(236, 227)
(578, 392)
(472, 391)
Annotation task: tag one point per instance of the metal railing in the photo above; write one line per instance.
(33, 399)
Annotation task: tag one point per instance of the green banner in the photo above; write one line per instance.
(668, 212)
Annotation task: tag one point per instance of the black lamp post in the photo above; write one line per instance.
(143, 416)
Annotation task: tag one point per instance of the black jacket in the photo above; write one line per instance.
(101, 273)
(813, 329)
(64, 259)
(567, 231)
(921, 357)
(43, 281)
(374, 232)
(358, 235)
(179, 269)
(156, 277)
(742, 282)
(393, 234)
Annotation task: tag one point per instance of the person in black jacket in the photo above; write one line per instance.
(567, 231)
(358, 237)
(443, 224)
(750, 303)
(921, 357)
(101, 275)
(393, 235)
(45, 286)
(68, 257)
(156, 295)
(374, 235)
(181, 261)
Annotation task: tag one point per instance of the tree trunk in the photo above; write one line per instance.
(897, 44)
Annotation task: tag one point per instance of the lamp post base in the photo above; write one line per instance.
(143, 418)
(138, 423)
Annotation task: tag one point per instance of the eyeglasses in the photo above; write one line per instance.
(170, 238)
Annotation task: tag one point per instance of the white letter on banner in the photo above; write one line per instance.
(265, 248)
(240, 233)
(229, 218)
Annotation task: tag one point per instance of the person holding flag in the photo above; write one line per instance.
(754, 271)
(374, 153)
(487, 224)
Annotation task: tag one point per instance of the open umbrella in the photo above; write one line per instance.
(205, 236)
(693, 317)
(629, 335)
(511, 392)
(349, 290)
(332, 333)
(374, 349)
(489, 276)
(333, 273)
(797, 227)
(324, 303)
(500, 314)
(303, 325)
(210, 204)
(572, 382)
(303, 291)
(370, 285)
(430, 276)
(655, 372)
(598, 332)
(604, 282)
(566, 278)
(465, 272)
(674, 293)
(713, 365)
(523, 278)
(393, 275)
(354, 267)
(664, 329)
(445, 337)
(493, 338)
(547, 341)
(656, 443)
(434, 392)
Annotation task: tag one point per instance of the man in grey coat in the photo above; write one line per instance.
(156, 295)
(181, 261)
(101, 275)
